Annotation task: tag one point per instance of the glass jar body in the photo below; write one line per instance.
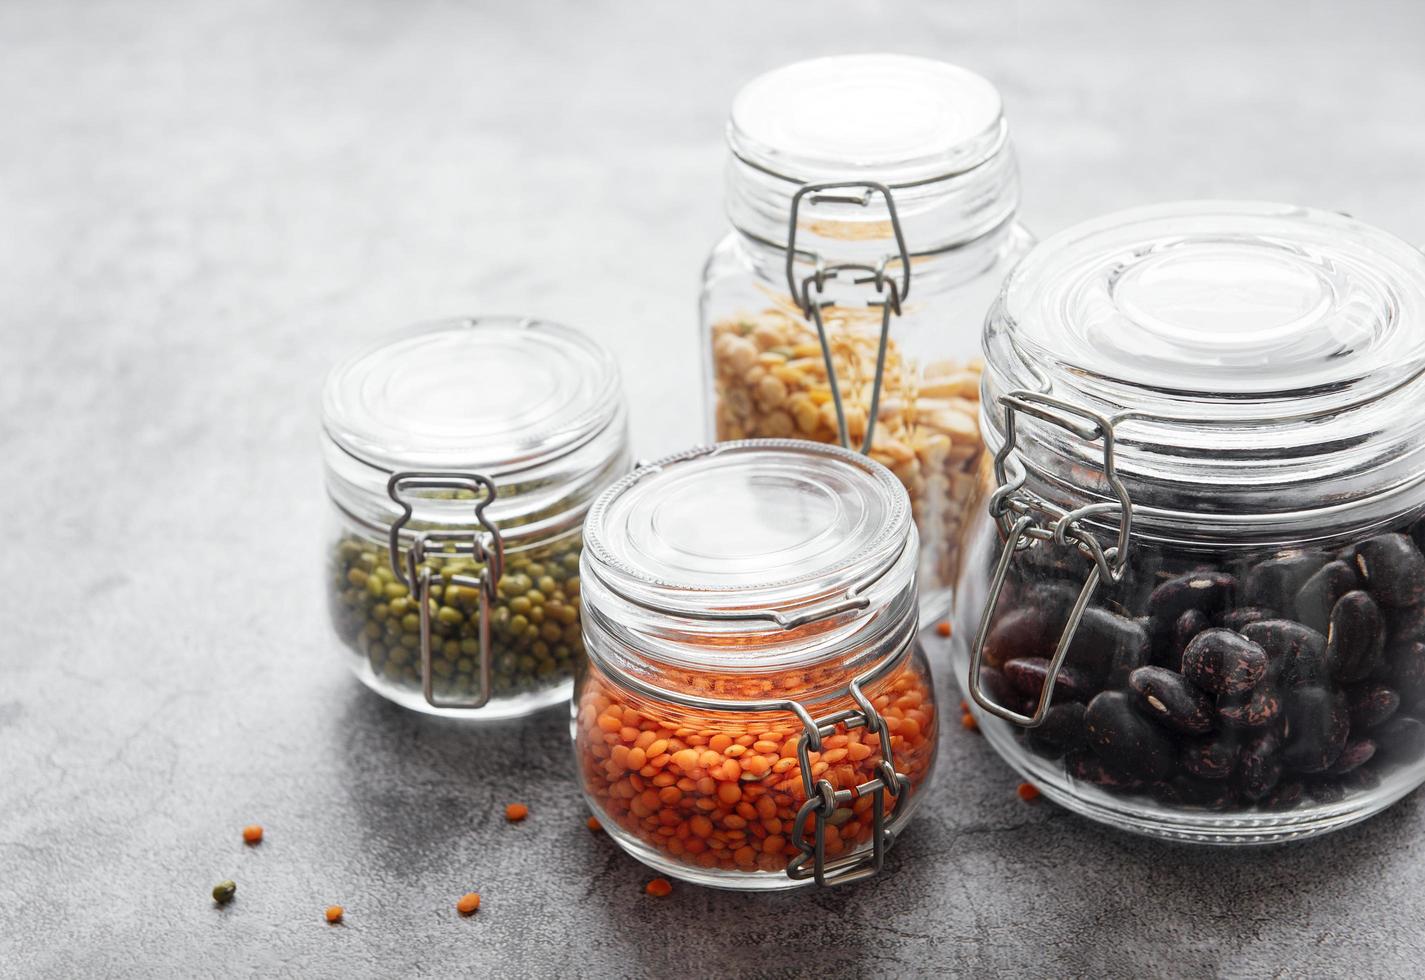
(534, 622)
(1221, 695)
(712, 797)
(765, 373)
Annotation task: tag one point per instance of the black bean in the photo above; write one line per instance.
(1404, 625)
(1360, 780)
(1258, 768)
(1402, 739)
(1170, 700)
(1286, 795)
(1253, 709)
(1371, 704)
(1327, 792)
(1187, 791)
(1061, 731)
(1027, 675)
(1407, 673)
(1318, 595)
(1317, 726)
(1017, 633)
(1241, 617)
(1297, 653)
(1002, 692)
(1355, 637)
(1104, 642)
(1393, 569)
(1224, 662)
(1275, 582)
(1129, 658)
(1209, 758)
(1358, 752)
(1084, 766)
(1185, 627)
(1128, 743)
(1207, 591)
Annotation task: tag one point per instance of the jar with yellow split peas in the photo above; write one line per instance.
(755, 711)
(872, 200)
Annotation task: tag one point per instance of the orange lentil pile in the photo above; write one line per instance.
(723, 790)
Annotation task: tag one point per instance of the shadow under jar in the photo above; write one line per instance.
(1204, 526)
(872, 200)
(756, 712)
(461, 458)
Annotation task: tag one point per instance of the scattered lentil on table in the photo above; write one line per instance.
(659, 887)
(468, 904)
(516, 812)
(252, 834)
(335, 913)
(224, 891)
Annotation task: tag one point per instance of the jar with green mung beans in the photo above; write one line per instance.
(461, 457)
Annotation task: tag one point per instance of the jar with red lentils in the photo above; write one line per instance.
(755, 712)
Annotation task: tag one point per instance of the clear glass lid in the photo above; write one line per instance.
(784, 549)
(932, 132)
(491, 395)
(1259, 359)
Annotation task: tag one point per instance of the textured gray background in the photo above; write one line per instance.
(202, 205)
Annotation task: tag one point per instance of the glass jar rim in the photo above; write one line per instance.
(929, 134)
(420, 399)
(757, 555)
(1256, 362)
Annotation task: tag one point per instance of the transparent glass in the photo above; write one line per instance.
(950, 169)
(711, 797)
(1258, 672)
(725, 590)
(414, 404)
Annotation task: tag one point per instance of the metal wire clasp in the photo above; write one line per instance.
(891, 292)
(823, 799)
(487, 548)
(1024, 519)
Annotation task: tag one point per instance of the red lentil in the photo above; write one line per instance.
(943, 628)
(659, 887)
(252, 834)
(335, 913)
(1028, 792)
(516, 812)
(708, 805)
(468, 903)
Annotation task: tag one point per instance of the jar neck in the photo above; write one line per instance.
(532, 505)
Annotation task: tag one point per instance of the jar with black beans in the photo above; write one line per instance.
(1193, 599)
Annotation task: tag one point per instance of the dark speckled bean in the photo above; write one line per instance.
(1407, 672)
(1297, 653)
(1317, 726)
(1171, 701)
(1238, 619)
(1224, 662)
(1274, 583)
(1026, 675)
(1185, 627)
(1204, 590)
(1061, 731)
(1209, 758)
(1017, 633)
(1355, 637)
(1128, 743)
(1258, 768)
(1253, 709)
(1318, 595)
(1401, 739)
(1371, 704)
(1286, 795)
(1358, 752)
(1085, 766)
(1187, 791)
(1393, 569)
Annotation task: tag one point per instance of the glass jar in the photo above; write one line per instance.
(461, 457)
(1202, 533)
(756, 712)
(872, 201)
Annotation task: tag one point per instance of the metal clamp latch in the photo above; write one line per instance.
(892, 293)
(823, 800)
(487, 548)
(1024, 519)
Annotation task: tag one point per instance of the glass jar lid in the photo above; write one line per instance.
(780, 551)
(492, 395)
(931, 132)
(1257, 360)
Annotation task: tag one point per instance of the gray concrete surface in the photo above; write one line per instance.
(201, 205)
